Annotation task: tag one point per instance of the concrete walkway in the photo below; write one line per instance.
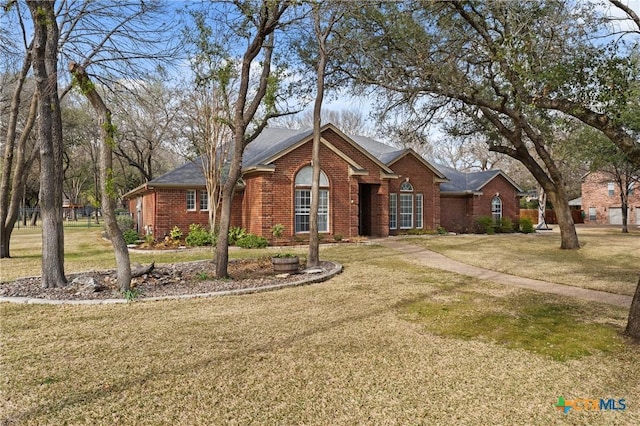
(435, 260)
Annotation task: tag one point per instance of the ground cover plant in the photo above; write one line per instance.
(362, 348)
(607, 259)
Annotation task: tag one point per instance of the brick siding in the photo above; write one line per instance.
(595, 194)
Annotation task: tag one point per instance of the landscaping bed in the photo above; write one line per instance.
(175, 279)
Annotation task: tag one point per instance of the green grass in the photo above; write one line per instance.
(559, 329)
(607, 259)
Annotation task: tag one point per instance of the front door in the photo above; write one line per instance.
(365, 212)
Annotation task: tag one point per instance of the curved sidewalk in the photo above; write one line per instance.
(436, 260)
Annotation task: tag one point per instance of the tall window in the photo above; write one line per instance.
(419, 207)
(393, 211)
(302, 201)
(496, 209)
(204, 200)
(611, 188)
(406, 205)
(630, 188)
(191, 199)
(593, 214)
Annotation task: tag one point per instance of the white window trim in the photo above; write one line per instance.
(412, 211)
(393, 210)
(493, 213)
(191, 191)
(200, 201)
(296, 214)
(419, 216)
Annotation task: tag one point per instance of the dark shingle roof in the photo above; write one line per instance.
(273, 141)
(468, 181)
(189, 173)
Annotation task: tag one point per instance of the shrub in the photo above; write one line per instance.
(250, 241)
(236, 233)
(442, 230)
(484, 225)
(175, 233)
(526, 225)
(277, 230)
(506, 225)
(337, 237)
(198, 236)
(124, 222)
(130, 236)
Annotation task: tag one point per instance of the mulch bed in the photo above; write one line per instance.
(173, 279)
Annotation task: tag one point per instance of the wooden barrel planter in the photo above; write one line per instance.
(282, 265)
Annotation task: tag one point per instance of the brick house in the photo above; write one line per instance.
(601, 201)
(367, 189)
(467, 196)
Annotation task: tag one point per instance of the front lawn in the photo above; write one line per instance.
(607, 260)
(385, 342)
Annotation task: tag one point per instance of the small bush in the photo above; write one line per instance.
(198, 236)
(250, 241)
(484, 225)
(526, 225)
(124, 222)
(441, 230)
(130, 236)
(506, 225)
(277, 230)
(337, 237)
(236, 233)
(175, 233)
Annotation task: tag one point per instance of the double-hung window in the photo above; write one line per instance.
(393, 211)
(204, 200)
(191, 200)
(419, 210)
(611, 189)
(496, 209)
(302, 201)
(406, 205)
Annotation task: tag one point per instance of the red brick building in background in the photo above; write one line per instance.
(367, 189)
(601, 201)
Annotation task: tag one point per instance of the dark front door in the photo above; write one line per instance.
(365, 213)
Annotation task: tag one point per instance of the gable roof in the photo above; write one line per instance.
(470, 182)
(273, 143)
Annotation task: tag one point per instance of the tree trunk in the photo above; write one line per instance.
(625, 206)
(633, 323)
(107, 131)
(568, 234)
(45, 54)
(222, 245)
(23, 162)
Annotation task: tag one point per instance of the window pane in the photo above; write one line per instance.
(302, 209)
(191, 200)
(323, 211)
(592, 213)
(406, 186)
(305, 176)
(496, 209)
(204, 200)
(393, 211)
(418, 210)
(406, 211)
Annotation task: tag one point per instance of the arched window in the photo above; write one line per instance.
(496, 209)
(406, 187)
(302, 200)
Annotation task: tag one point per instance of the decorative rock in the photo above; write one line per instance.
(87, 285)
(313, 271)
(282, 275)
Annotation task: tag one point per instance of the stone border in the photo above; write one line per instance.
(335, 270)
